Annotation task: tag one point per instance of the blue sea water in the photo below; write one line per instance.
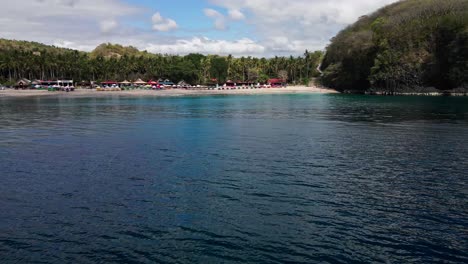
(234, 179)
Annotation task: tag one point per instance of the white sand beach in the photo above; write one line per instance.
(169, 92)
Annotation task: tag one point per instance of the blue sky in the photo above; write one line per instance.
(261, 28)
(191, 21)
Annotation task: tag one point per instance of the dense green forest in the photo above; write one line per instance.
(21, 59)
(412, 45)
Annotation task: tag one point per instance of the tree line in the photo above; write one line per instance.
(21, 59)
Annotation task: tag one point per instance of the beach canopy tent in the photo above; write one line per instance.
(139, 82)
(125, 82)
(151, 82)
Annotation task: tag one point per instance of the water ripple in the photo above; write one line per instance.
(273, 179)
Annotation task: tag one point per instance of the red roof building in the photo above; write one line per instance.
(277, 82)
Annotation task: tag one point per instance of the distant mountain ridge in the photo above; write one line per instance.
(411, 45)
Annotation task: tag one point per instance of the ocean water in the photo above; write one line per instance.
(234, 179)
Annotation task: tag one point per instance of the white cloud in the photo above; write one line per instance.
(289, 27)
(68, 2)
(163, 24)
(73, 45)
(219, 19)
(108, 26)
(236, 14)
(208, 46)
(49, 21)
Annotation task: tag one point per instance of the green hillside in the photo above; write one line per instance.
(412, 45)
(109, 50)
(31, 60)
(30, 47)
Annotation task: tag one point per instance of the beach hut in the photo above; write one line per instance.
(183, 84)
(125, 84)
(85, 84)
(167, 83)
(230, 83)
(36, 84)
(277, 82)
(23, 84)
(139, 82)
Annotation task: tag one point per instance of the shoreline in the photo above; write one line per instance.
(164, 93)
(455, 92)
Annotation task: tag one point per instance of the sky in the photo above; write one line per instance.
(260, 28)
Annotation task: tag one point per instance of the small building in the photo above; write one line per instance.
(230, 83)
(23, 83)
(277, 82)
(167, 82)
(183, 84)
(84, 83)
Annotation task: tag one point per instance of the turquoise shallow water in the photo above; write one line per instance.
(235, 179)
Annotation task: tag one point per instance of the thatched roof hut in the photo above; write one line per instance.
(139, 82)
(23, 83)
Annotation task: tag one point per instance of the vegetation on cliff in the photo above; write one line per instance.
(407, 46)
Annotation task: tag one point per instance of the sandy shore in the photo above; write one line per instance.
(162, 93)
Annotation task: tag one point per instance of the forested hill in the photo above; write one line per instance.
(31, 60)
(412, 45)
(29, 47)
